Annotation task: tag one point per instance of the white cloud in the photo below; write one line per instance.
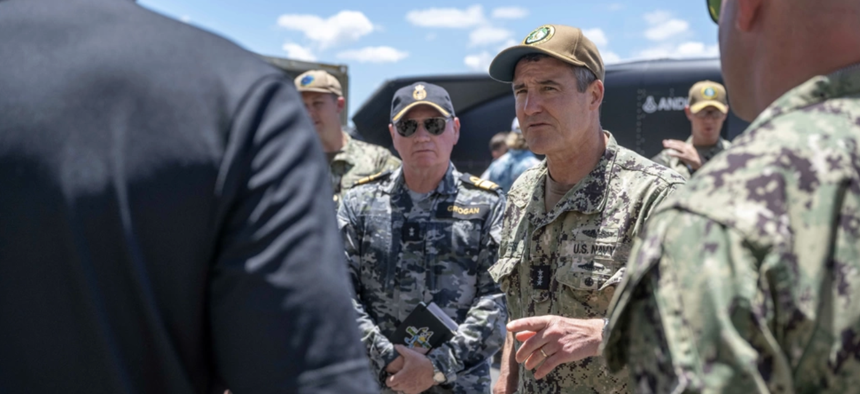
(185, 18)
(597, 36)
(610, 57)
(657, 17)
(298, 52)
(343, 27)
(381, 54)
(454, 18)
(479, 62)
(663, 26)
(666, 30)
(510, 13)
(488, 35)
(690, 49)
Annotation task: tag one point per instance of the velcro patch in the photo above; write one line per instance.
(411, 232)
(456, 211)
(541, 275)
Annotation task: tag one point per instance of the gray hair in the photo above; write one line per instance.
(584, 76)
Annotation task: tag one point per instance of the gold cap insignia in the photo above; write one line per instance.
(419, 93)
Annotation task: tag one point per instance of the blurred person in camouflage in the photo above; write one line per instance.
(748, 279)
(706, 110)
(514, 162)
(349, 159)
(426, 232)
(570, 222)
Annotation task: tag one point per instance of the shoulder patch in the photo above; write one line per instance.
(479, 183)
(374, 177)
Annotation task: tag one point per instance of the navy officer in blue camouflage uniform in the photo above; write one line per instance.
(426, 232)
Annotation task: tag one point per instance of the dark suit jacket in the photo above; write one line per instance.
(166, 223)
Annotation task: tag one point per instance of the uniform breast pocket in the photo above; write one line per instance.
(462, 239)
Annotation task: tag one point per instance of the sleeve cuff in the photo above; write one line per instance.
(382, 355)
(441, 359)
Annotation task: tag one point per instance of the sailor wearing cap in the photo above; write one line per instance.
(571, 221)
(707, 109)
(426, 233)
(349, 159)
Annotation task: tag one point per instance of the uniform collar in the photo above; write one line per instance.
(720, 145)
(820, 88)
(588, 196)
(343, 154)
(448, 185)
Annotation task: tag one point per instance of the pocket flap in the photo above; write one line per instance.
(503, 268)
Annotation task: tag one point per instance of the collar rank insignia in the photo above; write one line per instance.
(541, 275)
(479, 183)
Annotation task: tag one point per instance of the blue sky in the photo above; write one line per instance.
(385, 40)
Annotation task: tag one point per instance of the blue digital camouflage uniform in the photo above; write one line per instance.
(508, 167)
(567, 262)
(748, 280)
(357, 160)
(401, 254)
(705, 155)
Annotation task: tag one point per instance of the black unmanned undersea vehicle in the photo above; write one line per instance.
(643, 105)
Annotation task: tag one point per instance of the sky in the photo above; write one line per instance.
(379, 40)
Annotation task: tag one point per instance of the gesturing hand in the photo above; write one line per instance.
(555, 340)
(416, 375)
(685, 152)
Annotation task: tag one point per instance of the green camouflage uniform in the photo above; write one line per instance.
(358, 160)
(567, 261)
(748, 280)
(401, 254)
(705, 155)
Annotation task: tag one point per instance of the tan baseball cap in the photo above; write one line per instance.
(708, 94)
(564, 43)
(318, 81)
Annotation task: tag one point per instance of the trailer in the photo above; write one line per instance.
(643, 105)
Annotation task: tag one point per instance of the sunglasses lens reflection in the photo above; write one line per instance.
(434, 126)
(407, 127)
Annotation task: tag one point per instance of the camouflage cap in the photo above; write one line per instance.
(564, 43)
(705, 94)
(318, 81)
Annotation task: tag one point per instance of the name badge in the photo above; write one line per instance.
(457, 211)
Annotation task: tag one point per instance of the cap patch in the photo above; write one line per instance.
(539, 35)
(709, 93)
(307, 80)
(419, 93)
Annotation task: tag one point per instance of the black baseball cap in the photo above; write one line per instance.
(420, 93)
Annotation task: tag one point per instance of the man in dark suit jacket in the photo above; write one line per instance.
(166, 223)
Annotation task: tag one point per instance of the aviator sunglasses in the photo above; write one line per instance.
(433, 126)
(714, 9)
